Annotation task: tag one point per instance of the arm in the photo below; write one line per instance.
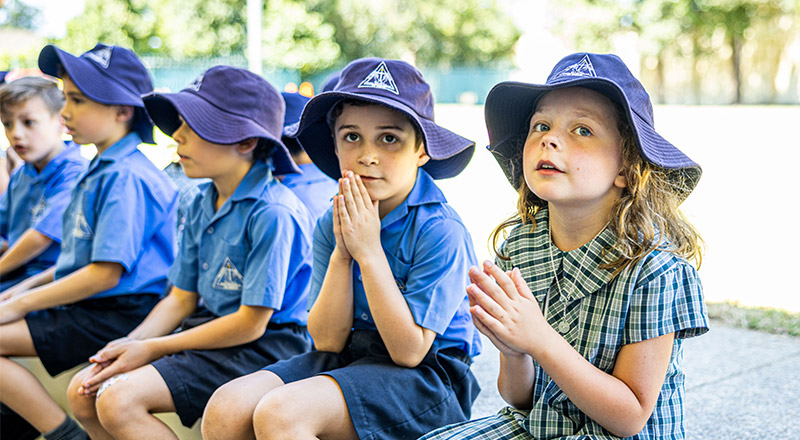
(406, 341)
(29, 246)
(621, 402)
(81, 284)
(40, 279)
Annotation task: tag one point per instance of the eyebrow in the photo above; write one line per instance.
(380, 127)
(78, 94)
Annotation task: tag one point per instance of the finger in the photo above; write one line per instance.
(358, 198)
(105, 354)
(489, 286)
(349, 203)
(501, 278)
(487, 320)
(521, 284)
(480, 299)
(490, 335)
(344, 214)
(363, 193)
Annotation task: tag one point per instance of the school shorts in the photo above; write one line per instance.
(69, 335)
(192, 376)
(19, 274)
(387, 401)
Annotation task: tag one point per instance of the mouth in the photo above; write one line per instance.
(547, 167)
(367, 179)
(20, 149)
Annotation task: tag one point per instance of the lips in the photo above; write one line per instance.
(547, 166)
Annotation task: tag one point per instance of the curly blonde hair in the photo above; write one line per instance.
(645, 218)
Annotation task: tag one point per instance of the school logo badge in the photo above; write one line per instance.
(583, 68)
(38, 210)
(195, 85)
(101, 56)
(81, 228)
(380, 78)
(228, 277)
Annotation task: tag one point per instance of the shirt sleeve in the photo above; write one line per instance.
(49, 224)
(322, 248)
(436, 281)
(120, 228)
(184, 271)
(5, 201)
(666, 300)
(272, 231)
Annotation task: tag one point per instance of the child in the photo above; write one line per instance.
(390, 318)
(118, 236)
(313, 187)
(600, 244)
(30, 212)
(246, 252)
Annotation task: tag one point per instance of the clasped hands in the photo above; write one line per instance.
(356, 220)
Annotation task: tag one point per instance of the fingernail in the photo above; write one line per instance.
(487, 264)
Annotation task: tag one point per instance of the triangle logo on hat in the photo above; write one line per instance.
(583, 68)
(380, 78)
(100, 55)
(195, 85)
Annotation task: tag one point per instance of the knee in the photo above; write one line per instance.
(226, 415)
(82, 406)
(272, 420)
(114, 405)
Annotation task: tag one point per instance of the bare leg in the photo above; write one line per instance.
(125, 408)
(229, 412)
(19, 388)
(84, 408)
(306, 409)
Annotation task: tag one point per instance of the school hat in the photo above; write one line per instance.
(226, 105)
(330, 82)
(396, 85)
(110, 75)
(3, 77)
(509, 106)
(295, 103)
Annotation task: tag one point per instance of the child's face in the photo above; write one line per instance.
(202, 159)
(89, 122)
(573, 153)
(379, 145)
(33, 131)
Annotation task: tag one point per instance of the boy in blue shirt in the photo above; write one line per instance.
(312, 186)
(31, 209)
(246, 254)
(390, 316)
(118, 241)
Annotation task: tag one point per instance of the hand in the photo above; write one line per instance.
(119, 356)
(13, 292)
(360, 222)
(340, 250)
(504, 309)
(11, 311)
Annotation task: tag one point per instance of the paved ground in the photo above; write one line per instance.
(741, 384)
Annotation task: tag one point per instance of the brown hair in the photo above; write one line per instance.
(29, 87)
(645, 218)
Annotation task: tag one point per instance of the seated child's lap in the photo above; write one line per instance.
(192, 376)
(67, 336)
(386, 400)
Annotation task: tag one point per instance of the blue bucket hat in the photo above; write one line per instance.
(394, 84)
(226, 105)
(110, 75)
(509, 106)
(295, 103)
(330, 82)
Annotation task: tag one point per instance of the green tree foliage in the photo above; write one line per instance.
(18, 14)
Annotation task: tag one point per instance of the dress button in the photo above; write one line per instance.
(364, 316)
(210, 230)
(563, 327)
(205, 265)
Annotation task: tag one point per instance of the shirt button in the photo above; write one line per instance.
(210, 230)
(563, 327)
(365, 317)
(205, 265)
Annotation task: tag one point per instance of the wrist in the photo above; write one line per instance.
(340, 256)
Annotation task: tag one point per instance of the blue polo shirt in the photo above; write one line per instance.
(36, 200)
(255, 250)
(122, 210)
(313, 187)
(430, 252)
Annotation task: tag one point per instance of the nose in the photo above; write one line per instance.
(178, 134)
(551, 139)
(368, 155)
(66, 111)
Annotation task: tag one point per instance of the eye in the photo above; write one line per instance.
(582, 131)
(7, 125)
(30, 122)
(389, 139)
(351, 137)
(540, 126)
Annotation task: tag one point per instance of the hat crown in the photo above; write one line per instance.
(242, 93)
(606, 67)
(393, 79)
(121, 65)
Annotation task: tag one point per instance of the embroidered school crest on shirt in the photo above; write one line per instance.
(38, 210)
(583, 68)
(380, 78)
(195, 85)
(228, 277)
(81, 228)
(101, 56)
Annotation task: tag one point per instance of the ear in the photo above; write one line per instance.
(247, 146)
(621, 181)
(124, 113)
(422, 156)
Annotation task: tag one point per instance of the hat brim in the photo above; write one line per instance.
(212, 124)
(449, 153)
(95, 85)
(509, 106)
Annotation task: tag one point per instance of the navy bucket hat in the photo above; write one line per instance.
(509, 106)
(396, 85)
(295, 103)
(226, 105)
(110, 75)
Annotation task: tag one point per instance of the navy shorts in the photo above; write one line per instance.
(192, 376)
(19, 274)
(69, 335)
(387, 401)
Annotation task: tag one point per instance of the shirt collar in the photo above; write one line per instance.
(121, 149)
(70, 151)
(251, 187)
(578, 267)
(423, 192)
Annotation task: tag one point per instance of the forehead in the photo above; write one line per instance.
(33, 105)
(577, 100)
(372, 115)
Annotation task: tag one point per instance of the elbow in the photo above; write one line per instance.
(627, 428)
(409, 359)
(108, 277)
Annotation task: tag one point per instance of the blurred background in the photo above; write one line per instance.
(724, 76)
